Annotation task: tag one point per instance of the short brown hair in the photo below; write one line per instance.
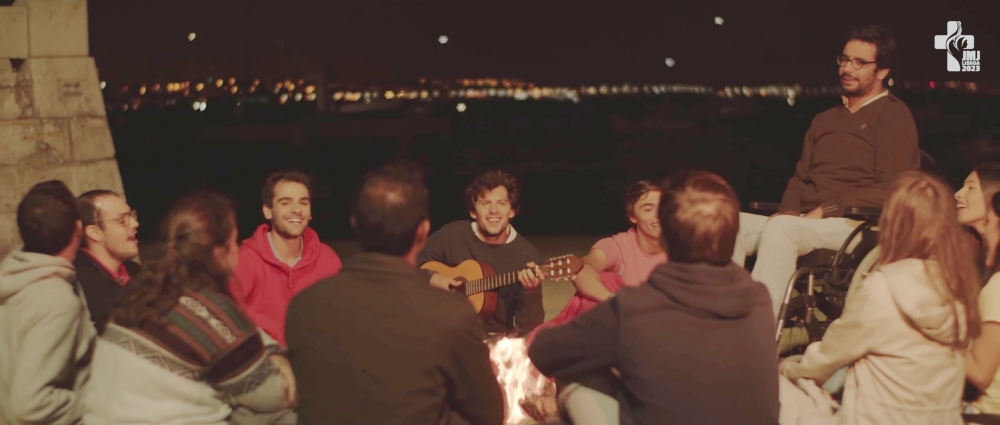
(46, 218)
(272, 180)
(699, 214)
(633, 193)
(89, 213)
(491, 180)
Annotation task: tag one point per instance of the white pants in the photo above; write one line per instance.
(780, 241)
(587, 406)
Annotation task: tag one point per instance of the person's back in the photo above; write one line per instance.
(905, 326)
(45, 329)
(386, 338)
(697, 337)
(695, 343)
(376, 344)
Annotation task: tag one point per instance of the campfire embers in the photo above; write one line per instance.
(529, 396)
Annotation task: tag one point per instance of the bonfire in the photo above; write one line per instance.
(529, 396)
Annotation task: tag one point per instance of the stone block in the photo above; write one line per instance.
(91, 139)
(16, 103)
(31, 175)
(56, 28)
(65, 87)
(10, 194)
(97, 175)
(10, 238)
(13, 32)
(37, 143)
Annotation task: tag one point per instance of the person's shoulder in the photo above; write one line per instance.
(891, 105)
(54, 293)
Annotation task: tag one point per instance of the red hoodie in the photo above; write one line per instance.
(263, 285)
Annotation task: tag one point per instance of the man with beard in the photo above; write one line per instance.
(283, 256)
(104, 264)
(851, 154)
(492, 200)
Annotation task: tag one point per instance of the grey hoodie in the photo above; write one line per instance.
(694, 344)
(46, 337)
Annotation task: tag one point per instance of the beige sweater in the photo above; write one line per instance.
(894, 334)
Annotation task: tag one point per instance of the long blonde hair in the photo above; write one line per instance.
(920, 221)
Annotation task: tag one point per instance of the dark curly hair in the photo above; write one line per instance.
(884, 41)
(194, 226)
(491, 180)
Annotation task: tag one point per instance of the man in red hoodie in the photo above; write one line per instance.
(283, 256)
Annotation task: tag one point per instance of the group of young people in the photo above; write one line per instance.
(667, 326)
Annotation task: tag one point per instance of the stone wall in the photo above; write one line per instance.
(53, 122)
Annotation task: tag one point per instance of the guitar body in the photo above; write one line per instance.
(485, 303)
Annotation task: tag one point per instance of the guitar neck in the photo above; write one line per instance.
(490, 283)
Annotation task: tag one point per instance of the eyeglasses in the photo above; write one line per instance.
(126, 219)
(856, 62)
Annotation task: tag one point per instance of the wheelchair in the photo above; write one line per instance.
(822, 279)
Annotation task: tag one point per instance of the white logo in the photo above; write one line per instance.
(961, 57)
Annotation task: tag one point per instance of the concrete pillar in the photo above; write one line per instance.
(53, 123)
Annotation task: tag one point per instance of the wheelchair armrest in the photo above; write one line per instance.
(863, 213)
(764, 207)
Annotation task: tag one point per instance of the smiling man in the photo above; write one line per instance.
(104, 263)
(284, 256)
(851, 155)
(492, 200)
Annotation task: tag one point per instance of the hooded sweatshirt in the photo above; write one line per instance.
(897, 333)
(693, 345)
(45, 340)
(263, 285)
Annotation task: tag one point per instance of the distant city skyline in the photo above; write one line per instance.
(548, 42)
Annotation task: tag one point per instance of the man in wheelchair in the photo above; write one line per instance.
(850, 156)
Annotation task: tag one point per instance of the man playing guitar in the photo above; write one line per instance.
(492, 200)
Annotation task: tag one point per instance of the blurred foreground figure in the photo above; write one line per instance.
(177, 349)
(376, 344)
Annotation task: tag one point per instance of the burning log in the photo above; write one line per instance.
(529, 396)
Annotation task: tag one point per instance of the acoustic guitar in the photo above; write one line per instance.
(480, 279)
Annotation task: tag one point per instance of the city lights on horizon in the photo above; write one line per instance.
(459, 91)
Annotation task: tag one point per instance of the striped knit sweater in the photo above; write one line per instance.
(205, 337)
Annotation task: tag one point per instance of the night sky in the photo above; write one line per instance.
(548, 42)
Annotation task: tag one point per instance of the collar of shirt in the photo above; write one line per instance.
(121, 276)
(302, 246)
(885, 92)
(513, 233)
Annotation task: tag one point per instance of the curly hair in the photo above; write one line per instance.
(884, 41)
(194, 226)
(491, 180)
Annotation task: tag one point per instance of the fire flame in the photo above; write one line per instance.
(529, 396)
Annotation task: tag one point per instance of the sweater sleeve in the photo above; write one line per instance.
(434, 250)
(896, 150)
(530, 310)
(847, 339)
(45, 353)
(587, 343)
(791, 200)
